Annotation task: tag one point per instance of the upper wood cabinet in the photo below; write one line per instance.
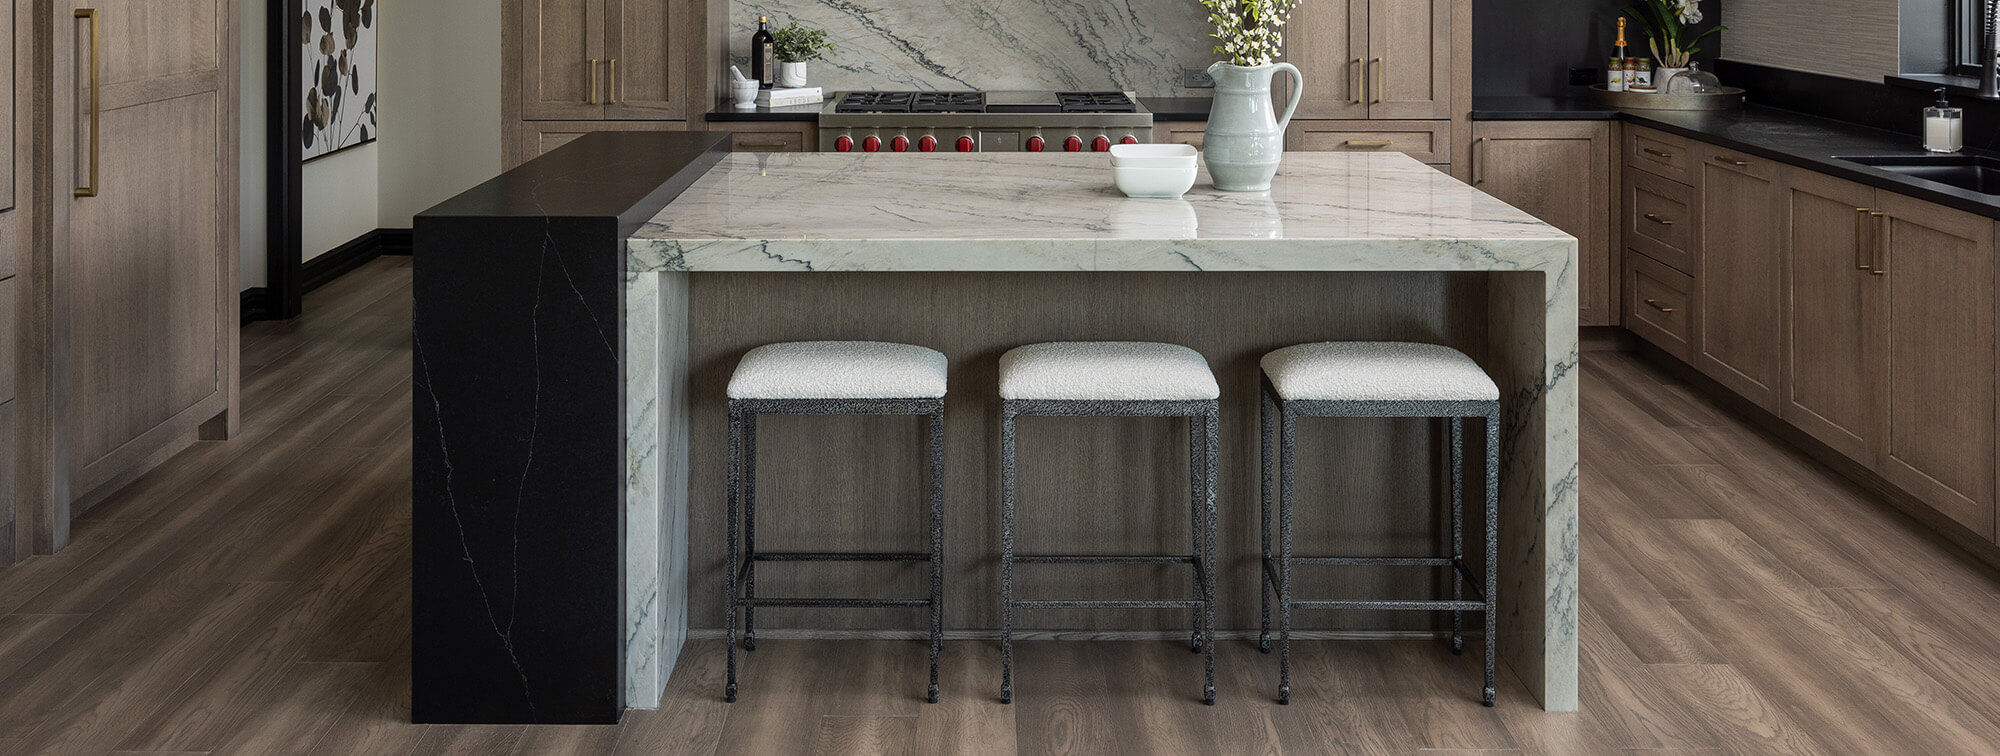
(580, 60)
(1387, 59)
(1738, 316)
(1559, 172)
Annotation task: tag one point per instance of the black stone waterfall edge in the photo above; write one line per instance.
(519, 425)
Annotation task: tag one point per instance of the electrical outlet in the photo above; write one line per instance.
(1583, 77)
(1196, 78)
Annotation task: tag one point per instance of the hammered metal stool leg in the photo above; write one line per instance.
(778, 379)
(1043, 380)
(1362, 380)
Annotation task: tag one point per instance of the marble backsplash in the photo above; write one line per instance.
(1137, 45)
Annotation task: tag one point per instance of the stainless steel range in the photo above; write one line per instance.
(982, 122)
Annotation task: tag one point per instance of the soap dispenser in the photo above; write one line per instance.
(1944, 126)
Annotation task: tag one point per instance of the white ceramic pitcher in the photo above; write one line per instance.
(1245, 139)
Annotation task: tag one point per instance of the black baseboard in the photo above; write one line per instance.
(323, 269)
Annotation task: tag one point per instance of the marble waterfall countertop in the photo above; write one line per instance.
(1057, 212)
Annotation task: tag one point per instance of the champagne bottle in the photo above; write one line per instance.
(763, 54)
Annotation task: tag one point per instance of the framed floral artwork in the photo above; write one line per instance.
(337, 65)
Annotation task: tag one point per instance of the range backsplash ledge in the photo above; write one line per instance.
(1136, 45)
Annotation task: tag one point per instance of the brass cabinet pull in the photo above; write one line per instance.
(1731, 161)
(592, 97)
(1381, 72)
(760, 144)
(1658, 219)
(1478, 162)
(89, 189)
(1359, 66)
(1655, 304)
(1370, 143)
(1862, 239)
(1657, 153)
(1195, 143)
(611, 88)
(1877, 251)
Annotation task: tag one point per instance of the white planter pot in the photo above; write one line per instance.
(791, 74)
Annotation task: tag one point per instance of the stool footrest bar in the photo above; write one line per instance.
(1106, 559)
(806, 556)
(834, 603)
(1109, 604)
(1429, 606)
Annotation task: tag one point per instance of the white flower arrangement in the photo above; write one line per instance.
(1251, 31)
(1669, 25)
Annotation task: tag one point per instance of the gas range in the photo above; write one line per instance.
(982, 122)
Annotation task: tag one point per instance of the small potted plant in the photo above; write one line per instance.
(1669, 26)
(793, 46)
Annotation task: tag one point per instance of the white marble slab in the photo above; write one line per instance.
(1325, 212)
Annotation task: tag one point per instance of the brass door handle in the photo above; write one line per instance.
(1876, 249)
(1863, 252)
(1478, 162)
(1657, 153)
(591, 99)
(89, 189)
(1359, 66)
(1658, 219)
(1381, 72)
(1369, 143)
(1655, 304)
(611, 85)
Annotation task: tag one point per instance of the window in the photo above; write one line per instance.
(1968, 32)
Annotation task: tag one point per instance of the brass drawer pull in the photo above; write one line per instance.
(1195, 143)
(1731, 161)
(1655, 304)
(1657, 153)
(1658, 219)
(1369, 143)
(760, 144)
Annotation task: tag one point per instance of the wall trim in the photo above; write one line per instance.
(258, 303)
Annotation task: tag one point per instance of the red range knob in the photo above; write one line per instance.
(1073, 144)
(927, 144)
(843, 144)
(1100, 144)
(871, 144)
(1035, 144)
(965, 144)
(1129, 139)
(900, 144)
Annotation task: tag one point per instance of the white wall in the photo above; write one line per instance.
(439, 84)
(440, 96)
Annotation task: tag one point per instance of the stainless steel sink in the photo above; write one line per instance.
(1971, 172)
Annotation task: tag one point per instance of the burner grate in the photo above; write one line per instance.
(949, 102)
(875, 102)
(1095, 102)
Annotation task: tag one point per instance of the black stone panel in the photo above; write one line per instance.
(519, 494)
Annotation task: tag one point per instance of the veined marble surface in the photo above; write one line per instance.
(1041, 212)
(1137, 45)
(1021, 211)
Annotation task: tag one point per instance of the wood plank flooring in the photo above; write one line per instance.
(252, 596)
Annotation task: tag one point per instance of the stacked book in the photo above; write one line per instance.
(778, 97)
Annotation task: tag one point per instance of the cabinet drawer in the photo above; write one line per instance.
(1428, 141)
(772, 140)
(1179, 132)
(1660, 219)
(1656, 304)
(1659, 153)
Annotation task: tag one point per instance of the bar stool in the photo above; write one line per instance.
(1376, 379)
(1114, 379)
(829, 378)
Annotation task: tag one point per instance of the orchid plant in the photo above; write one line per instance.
(1251, 31)
(1669, 25)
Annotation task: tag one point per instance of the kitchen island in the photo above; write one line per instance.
(973, 254)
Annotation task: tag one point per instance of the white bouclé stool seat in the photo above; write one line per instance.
(839, 370)
(1377, 371)
(1106, 371)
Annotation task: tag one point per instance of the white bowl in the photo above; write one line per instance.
(1153, 154)
(1165, 182)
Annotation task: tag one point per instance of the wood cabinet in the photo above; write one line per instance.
(1659, 304)
(1833, 319)
(780, 136)
(1936, 269)
(539, 137)
(582, 61)
(1738, 316)
(1559, 172)
(1428, 141)
(1374, 59)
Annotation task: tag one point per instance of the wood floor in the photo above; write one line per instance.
(252, 596)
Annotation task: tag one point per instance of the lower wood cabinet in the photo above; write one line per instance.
(537, 138)
(1428, 141)
(1835, 354)
(1738, 315)
(1658, 304)
(1559, 172)
(770, 136)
